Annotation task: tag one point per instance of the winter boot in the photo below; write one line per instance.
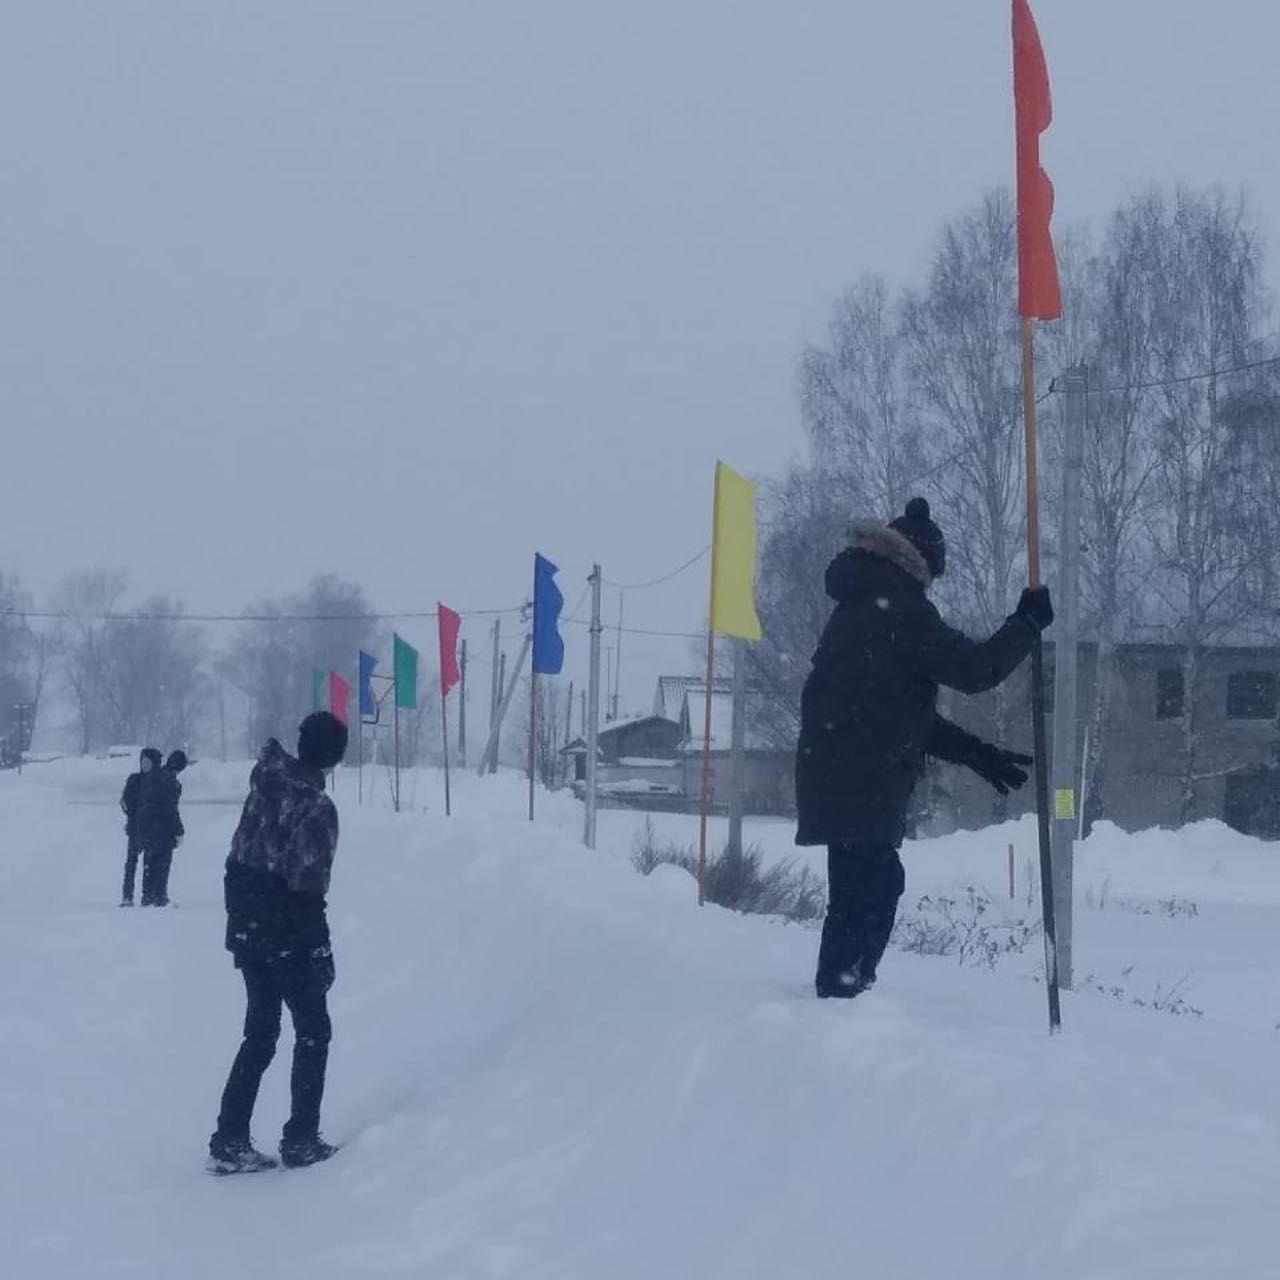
(844, 986)
(297, 1153)
(237, 1155)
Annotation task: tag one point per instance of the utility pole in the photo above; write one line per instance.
(593, 711)
(1066, 653)
(489, 760)
(568, 723)
(22, 710)
(738, 738)
(222, 721)
(496, 719)
(495, 680)
(617, 668)
(462, 707)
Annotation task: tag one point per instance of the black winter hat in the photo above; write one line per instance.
(914, 525)
(177, 761)
(150, 753)
(322, 740)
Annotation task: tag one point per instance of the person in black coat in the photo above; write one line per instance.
(869, 718)
(130, 799)
(276, 879)
(159, 825)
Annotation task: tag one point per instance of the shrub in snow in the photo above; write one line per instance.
(648, 852)
(1162, 999)
(1173, 907)
(738, 879)
(964, 926)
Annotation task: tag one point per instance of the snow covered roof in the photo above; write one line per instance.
(668, 698)
(616, 726)
(693, 721)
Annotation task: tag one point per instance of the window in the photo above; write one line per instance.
(1251, 803)
(1169, 693)
(1251, 695)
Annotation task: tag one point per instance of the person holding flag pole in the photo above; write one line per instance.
(868, 720)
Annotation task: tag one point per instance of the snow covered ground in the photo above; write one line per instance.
(546, 1065)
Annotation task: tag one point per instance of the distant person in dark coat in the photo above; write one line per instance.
(869, 718)
(276, 879)
(130, 799)
(160, 828)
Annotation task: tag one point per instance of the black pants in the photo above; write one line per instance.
(864, 883)
(130, 868)
(157, 858)
(268, 987)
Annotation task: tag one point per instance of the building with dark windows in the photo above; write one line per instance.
(1147, 774)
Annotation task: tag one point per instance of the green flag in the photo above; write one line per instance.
(405, 662)
(319, 691)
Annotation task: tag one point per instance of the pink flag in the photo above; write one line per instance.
(450, 625)
(339, 695)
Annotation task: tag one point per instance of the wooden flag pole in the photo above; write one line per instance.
(395, 698)
(533, 731)
(706, 720)
(444, 729)
(706, 770)
(1039, 736)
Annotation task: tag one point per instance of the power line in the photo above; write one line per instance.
(1158, 383)
(586, 590)
(643, 631)
(656, 582)
(409, 616)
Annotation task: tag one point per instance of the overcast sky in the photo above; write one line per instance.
(407, 290)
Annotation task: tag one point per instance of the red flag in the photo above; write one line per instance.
(1039, 297)
(450, 625)
(339, 695)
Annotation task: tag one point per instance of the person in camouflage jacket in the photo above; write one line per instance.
(275, 884)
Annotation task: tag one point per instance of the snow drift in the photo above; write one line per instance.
(546, 1065)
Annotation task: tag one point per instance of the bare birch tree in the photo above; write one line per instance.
(1208, 307)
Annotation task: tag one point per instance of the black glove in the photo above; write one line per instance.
(1003, 769)
(322, 964)
(1035, 607)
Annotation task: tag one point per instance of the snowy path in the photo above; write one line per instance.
(546, 1066)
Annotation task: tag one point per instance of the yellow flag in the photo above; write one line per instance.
(733, 556)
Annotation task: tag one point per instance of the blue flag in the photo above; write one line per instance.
(548, 645)
(368, 704)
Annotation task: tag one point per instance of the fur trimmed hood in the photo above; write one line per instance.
(879, 540)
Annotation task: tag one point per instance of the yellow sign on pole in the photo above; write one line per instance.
(1064, 804)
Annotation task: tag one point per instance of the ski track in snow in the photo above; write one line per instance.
(547, 1066)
